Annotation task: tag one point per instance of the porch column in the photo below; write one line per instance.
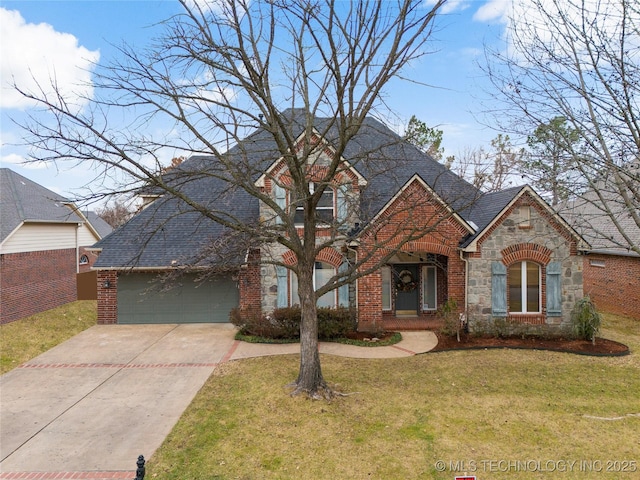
(456, 281)
(370, 303)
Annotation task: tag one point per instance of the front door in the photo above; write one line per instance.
(407, 283)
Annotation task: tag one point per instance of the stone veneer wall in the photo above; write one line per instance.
(503, 243)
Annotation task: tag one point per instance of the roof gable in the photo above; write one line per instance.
(326, 149)
(417, 179)
(22, 200)
(502, 202)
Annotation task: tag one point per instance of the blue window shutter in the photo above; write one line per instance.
(498, 289)
(343, 291)
(281, 199)
(281, 274)
(341, 203)
(554, 289)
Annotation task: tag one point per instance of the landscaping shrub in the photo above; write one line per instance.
(284, 323)
(335, 322)
(448, 311)
(585, 319)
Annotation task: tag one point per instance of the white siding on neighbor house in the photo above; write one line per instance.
(36, 237)
(86, 237)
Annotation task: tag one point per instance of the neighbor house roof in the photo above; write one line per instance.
(100, 226)
(588, 216)
(24, 201)
(170, 232)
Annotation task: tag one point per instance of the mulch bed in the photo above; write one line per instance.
(602, 347)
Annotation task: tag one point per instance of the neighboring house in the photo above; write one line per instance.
(612, 268)
(503, 257)
(43, 240)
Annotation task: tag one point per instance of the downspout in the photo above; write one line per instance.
(78, 248)
(464, 319)
(355, 252)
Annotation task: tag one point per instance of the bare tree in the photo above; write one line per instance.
(490, 170)
(578, 59)
(222, 78)
(115, 213)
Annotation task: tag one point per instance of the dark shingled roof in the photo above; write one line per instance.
(170, 231)
(486, 208)
(22, 200)
(100, 226)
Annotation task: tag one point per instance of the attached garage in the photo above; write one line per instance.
(188, 302)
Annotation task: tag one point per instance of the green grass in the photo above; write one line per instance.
(27, 338)
(404, 415)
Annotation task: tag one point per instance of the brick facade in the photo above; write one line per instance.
(33, 282)
(249, 285)
(416, 213)
(107, 297)
(613, 283)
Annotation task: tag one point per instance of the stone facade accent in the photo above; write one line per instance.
(541, 240)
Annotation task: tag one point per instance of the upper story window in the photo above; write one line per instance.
(325, 209)
(84, 260)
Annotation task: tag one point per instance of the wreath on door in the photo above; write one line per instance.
(405, 282)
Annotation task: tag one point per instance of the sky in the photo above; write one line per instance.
(69, 37)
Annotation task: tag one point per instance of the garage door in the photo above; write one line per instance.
(191, 302)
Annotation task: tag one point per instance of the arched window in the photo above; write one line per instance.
(525, 293)
(84, 260)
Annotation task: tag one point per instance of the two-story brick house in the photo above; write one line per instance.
(423, 235)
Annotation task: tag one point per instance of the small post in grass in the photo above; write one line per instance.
(140, 470)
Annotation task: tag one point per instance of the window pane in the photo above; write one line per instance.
(429, 288)
(533, 287)
(326, 200)
(323, 272)
(515, 288)
(386, 288)
(298, 218)
(324, 215)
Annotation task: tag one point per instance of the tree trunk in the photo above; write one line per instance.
(310, 380)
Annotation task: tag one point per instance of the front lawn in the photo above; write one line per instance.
(494, 413)
(27, 338)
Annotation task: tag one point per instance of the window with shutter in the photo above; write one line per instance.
(283, 294)
(554, 289)
(498, 289)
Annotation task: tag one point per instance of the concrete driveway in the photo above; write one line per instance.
(109, 394)
(87, 408)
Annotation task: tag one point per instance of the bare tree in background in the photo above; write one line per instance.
(580, 60)
(216, 76)
(490, 170)
(115, 213)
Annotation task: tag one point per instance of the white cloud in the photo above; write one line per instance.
(494, 10)
(34, 56)
(16, 159)
(450, 6)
